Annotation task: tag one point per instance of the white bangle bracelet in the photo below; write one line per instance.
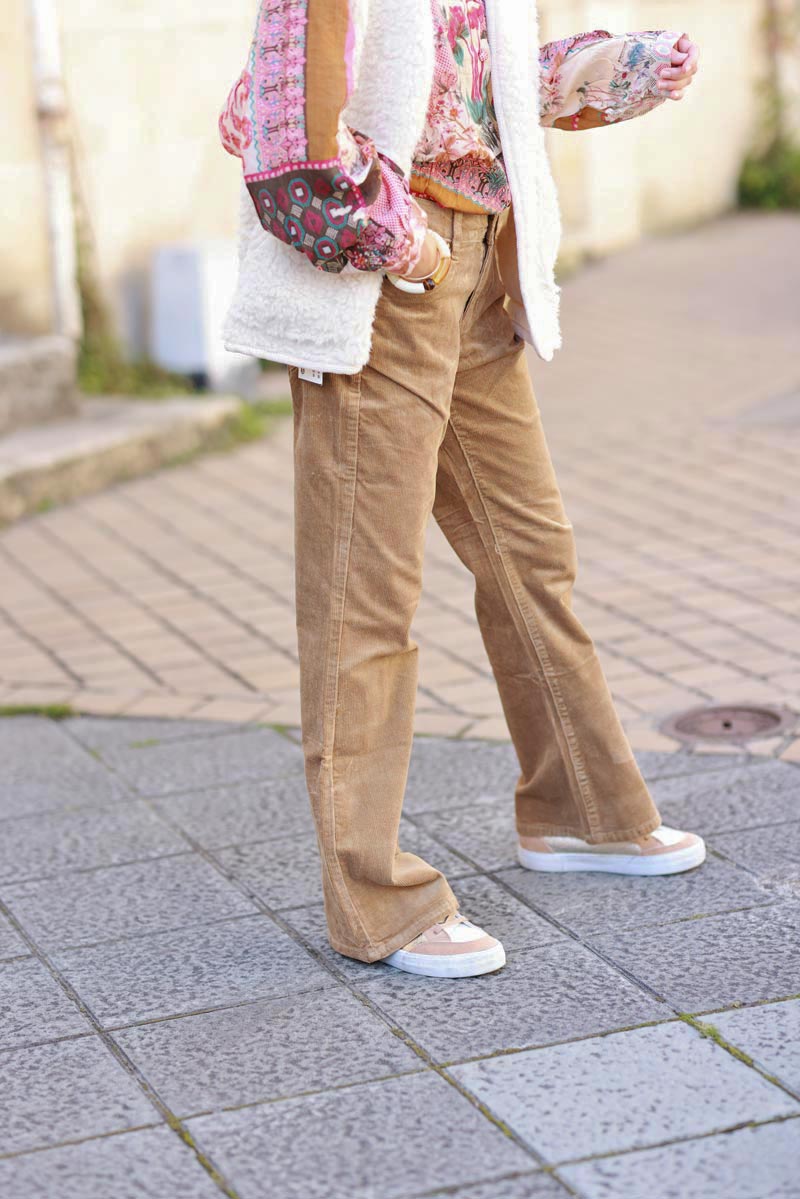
(429, 282)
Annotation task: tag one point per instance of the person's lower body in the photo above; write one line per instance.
(442, 419)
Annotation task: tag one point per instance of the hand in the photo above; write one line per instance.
(674, 80)
(428, 260)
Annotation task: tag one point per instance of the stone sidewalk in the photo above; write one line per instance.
(673, 414)
(175, 1025)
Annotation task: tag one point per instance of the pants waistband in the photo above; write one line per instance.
(460, 227)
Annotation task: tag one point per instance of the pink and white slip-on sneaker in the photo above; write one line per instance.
(664, 851)
(454, 948)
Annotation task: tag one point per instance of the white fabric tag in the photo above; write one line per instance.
(310, 375)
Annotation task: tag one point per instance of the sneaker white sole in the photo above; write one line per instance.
(615, 863)
(455, 965)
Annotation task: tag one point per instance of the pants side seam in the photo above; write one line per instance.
(341, 574)
(537, 643)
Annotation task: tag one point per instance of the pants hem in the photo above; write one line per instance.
(562, 830)
(382, 949)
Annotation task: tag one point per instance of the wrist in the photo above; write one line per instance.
(428, 262)
(423, 283)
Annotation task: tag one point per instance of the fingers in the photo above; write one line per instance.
(676, 77)
(691, 59)
(669, 83)
(683, 63)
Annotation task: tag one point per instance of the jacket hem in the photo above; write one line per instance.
(331, 366)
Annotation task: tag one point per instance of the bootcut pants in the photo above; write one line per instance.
(441, 420)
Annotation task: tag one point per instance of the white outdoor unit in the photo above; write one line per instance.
(191, 286)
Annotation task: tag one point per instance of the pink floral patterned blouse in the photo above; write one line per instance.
(459, 160)
(326, 190)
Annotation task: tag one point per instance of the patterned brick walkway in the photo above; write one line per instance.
(674, 419)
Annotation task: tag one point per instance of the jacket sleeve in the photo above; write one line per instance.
(317, 185)
(601, 78)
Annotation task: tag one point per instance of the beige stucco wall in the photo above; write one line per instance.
(146, 79)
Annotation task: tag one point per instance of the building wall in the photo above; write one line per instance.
(25, 297)
(146, 79)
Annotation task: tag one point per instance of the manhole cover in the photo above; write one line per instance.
(728, 722)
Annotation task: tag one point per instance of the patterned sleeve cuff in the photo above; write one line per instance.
(602, 78)
(390, 229)
(354, 211)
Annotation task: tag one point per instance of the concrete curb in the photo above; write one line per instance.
(111, 440)
(37, 381)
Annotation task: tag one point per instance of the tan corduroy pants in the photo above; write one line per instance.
(442, 419)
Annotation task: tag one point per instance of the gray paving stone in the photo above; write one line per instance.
(596, 902)
(699, 965)
(542, 995)
(654, 765)
(11, 943)
(524, 1186)
(107, 734)
(627, 1091)
(489, 905)
(286, 873)
(38, 846)
(241, 815)
(123, 901)
(414, 839)
(266, 1050)
(282, 874)
(773, 854)
(33, 1007)
(42, 769)
(33, 746)
(770, 1034)
(190, 971)
(752, 1163)
(761, 792)
(207, 762)
(277, 1149)
(66, 1091)
(484, 833)
(446, 773)
(152, 1162)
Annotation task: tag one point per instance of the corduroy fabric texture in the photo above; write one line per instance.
(442, 419)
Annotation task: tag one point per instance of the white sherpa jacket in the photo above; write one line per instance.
(373, 62)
